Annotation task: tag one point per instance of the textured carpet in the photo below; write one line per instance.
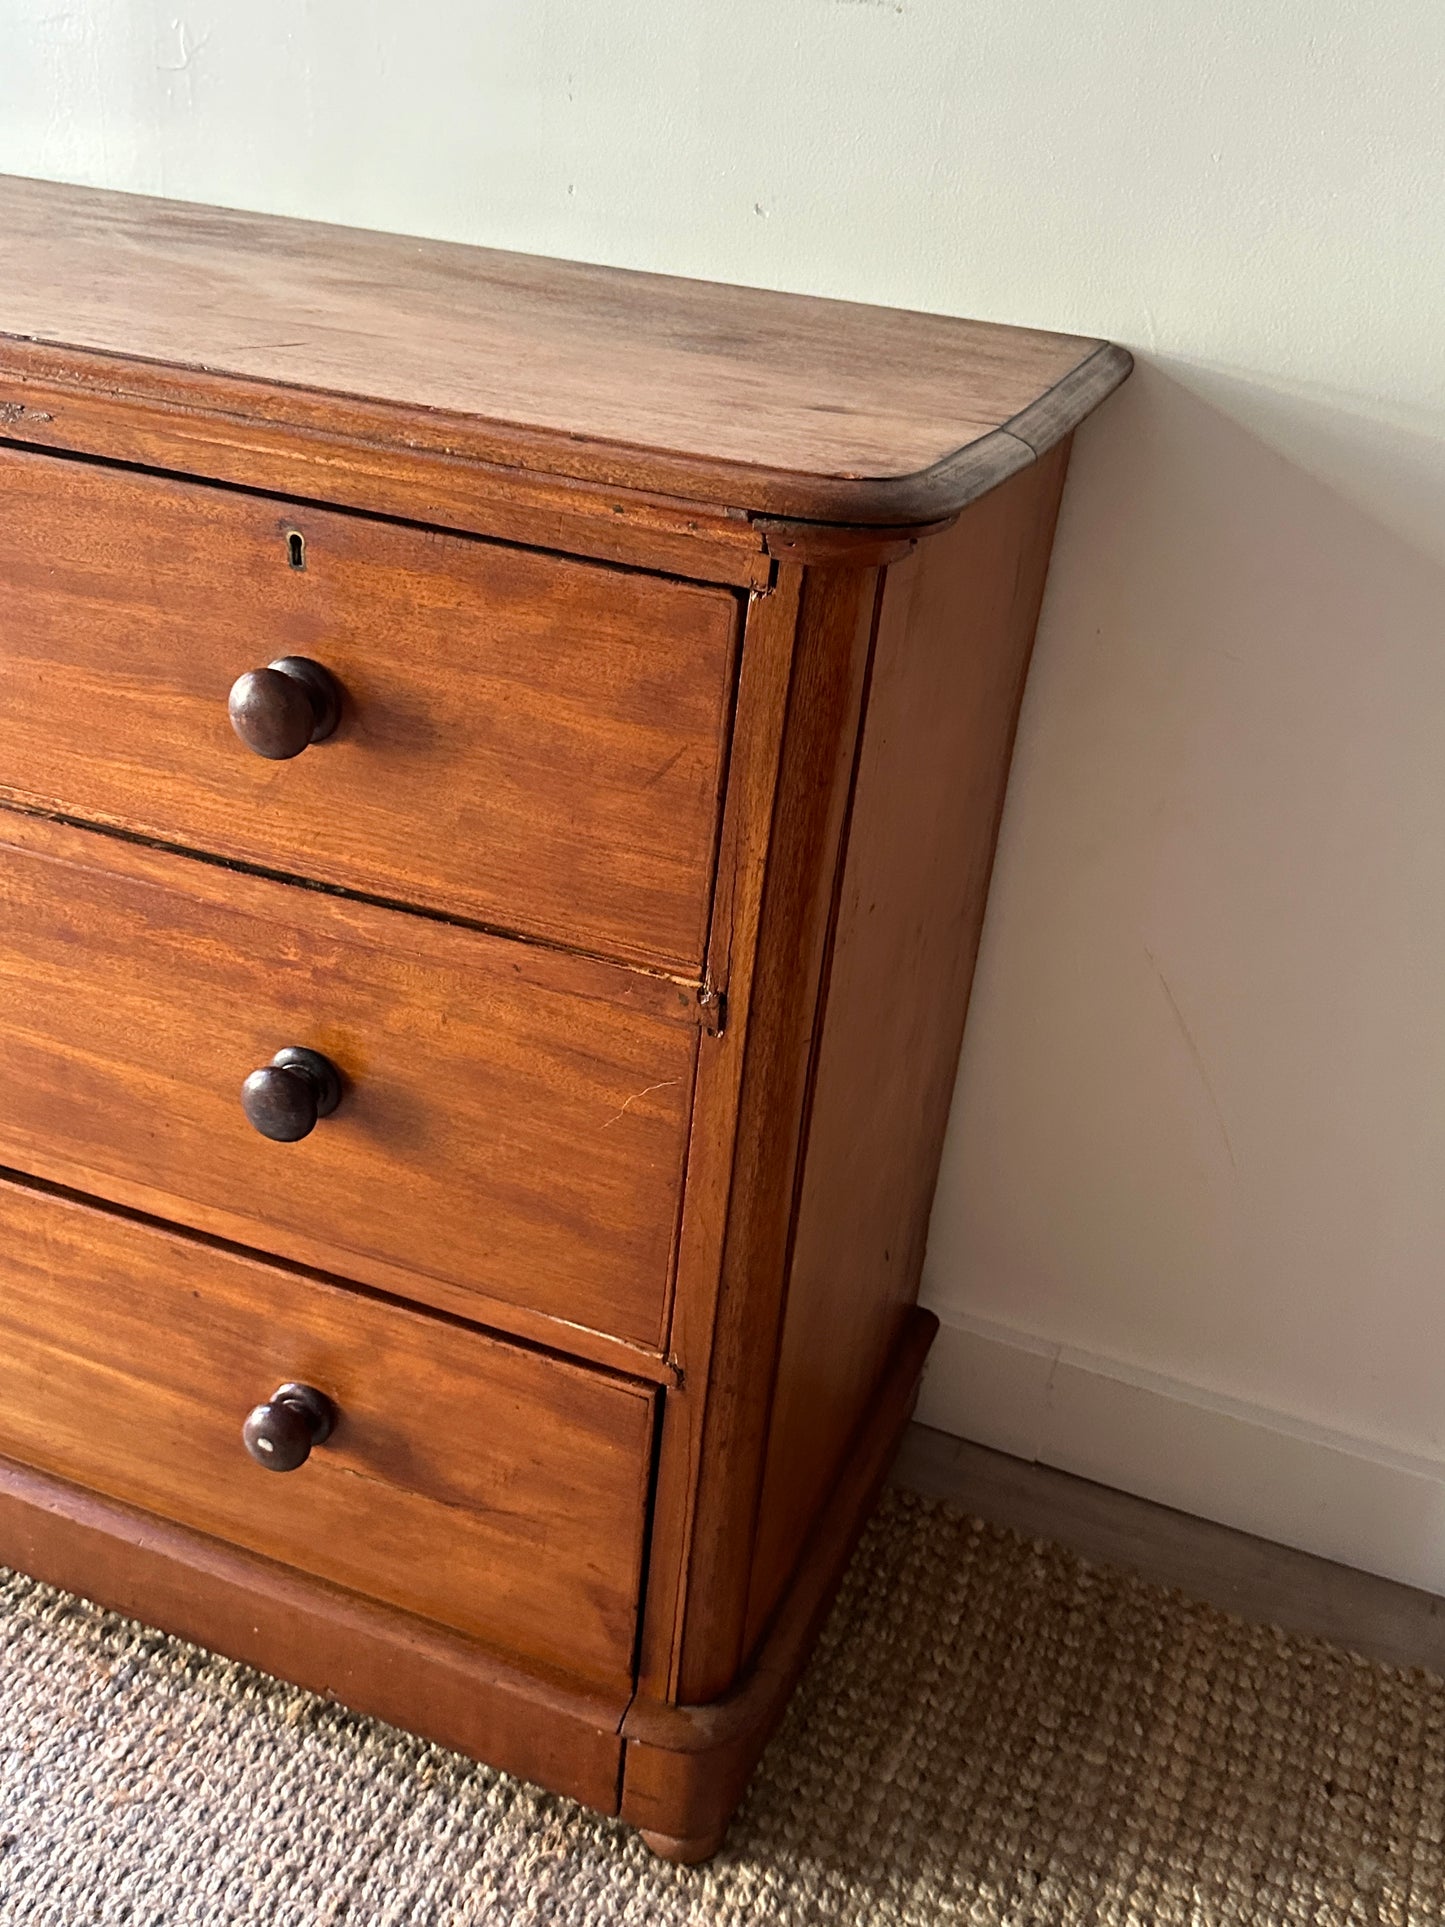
(992, 1732)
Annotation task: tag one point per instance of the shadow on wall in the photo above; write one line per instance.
(1390, 468)
(1200, 1126)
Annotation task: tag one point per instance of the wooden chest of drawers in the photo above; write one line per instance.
(499, 768)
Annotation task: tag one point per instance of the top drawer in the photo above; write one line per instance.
(528, 741)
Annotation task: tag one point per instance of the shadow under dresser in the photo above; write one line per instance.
(500, 762)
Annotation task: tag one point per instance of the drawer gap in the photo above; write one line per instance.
(22, 806)
(609, 1356)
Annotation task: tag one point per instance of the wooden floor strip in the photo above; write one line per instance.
(1267, 1583)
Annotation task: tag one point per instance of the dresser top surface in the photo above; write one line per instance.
(778, 403)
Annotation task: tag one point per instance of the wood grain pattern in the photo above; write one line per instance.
(525, 741)
(535, 1723)
(955, 632)
(755, 1085)
(467, 1481)
(513, 1122)
(784, 404)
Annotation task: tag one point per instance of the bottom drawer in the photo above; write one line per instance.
(496, 1490)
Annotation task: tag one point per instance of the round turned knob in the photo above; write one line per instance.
(284, 1099)
(281, 1433)
(278, 710)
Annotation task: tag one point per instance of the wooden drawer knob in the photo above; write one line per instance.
(278, 710)
(281, 1433)
(284, 1098)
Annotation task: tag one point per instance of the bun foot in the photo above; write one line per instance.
(686, 1852)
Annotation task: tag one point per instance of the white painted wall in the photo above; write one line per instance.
(1190, 1234)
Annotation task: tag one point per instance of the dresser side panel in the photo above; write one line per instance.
(955, 632)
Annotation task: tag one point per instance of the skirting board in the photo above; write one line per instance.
(1302, 1485)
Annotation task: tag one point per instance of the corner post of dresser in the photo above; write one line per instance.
(806, 655)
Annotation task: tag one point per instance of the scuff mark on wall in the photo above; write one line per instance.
(1195, 1053)
(186, 50)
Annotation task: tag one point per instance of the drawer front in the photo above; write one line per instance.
(513, 1121)
(526, 741)
(495, 1490)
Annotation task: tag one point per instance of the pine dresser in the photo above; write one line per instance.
(499, 767)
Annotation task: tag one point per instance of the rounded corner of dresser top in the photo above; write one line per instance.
(931, 497)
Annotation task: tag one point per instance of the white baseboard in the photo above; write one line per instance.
(1324, 1492)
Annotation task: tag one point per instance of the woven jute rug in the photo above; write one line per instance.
(992, 1731)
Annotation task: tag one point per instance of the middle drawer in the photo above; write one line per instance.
(512, 1127)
